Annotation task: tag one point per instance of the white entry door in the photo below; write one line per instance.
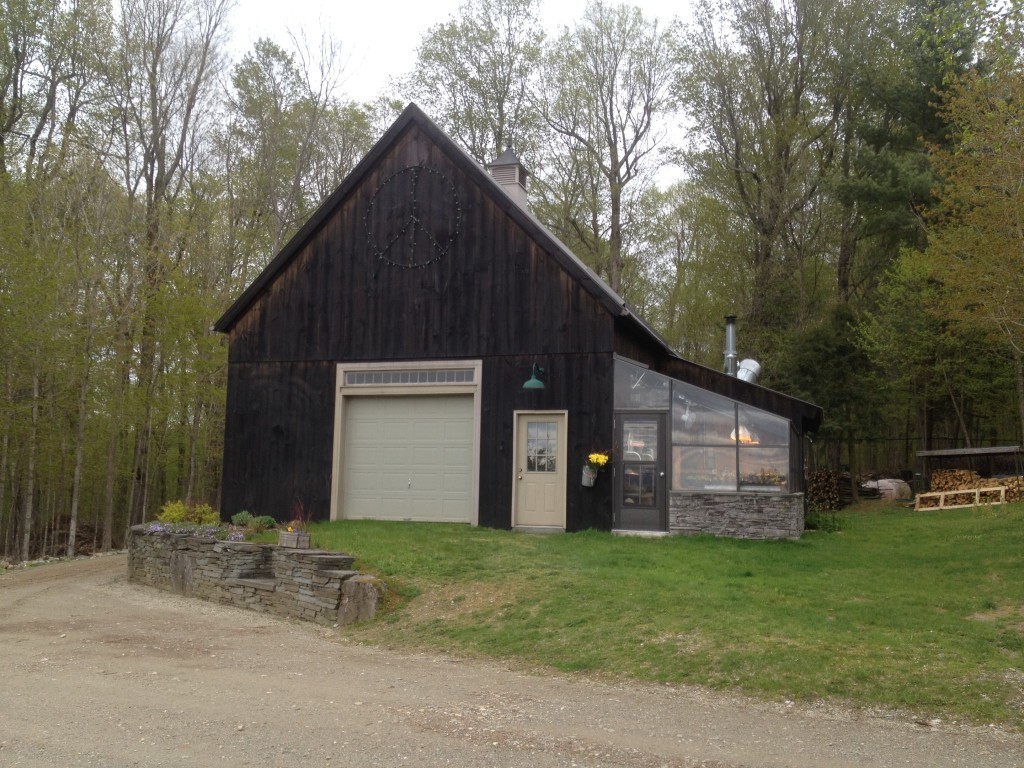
(408, 458)
(540, 482)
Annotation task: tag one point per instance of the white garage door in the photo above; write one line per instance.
(408, 458)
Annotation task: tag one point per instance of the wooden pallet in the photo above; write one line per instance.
(954, 499)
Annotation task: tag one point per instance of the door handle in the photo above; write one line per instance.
(661, 474)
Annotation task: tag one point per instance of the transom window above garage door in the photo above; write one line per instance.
(405, 377)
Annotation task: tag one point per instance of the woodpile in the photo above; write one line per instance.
(967, 480)
(823, 491)
(829, 491)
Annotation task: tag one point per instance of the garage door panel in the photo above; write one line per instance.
(427, 457)
(457, 430)
(425, 483)
(393, 481)
(425, 432)
(396, 431)
(456, 457)
(393, 456)
(408, 458)
(454, 483)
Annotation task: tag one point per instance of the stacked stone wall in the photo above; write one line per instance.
(307, 584)
(737, 515)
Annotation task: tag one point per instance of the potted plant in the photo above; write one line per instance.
(295, 534)
(594, 464)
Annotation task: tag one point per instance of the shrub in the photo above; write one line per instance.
(173, 512)
(206, 515)
(180, 512)
(243, 519)
(262, 523)
(826, 521)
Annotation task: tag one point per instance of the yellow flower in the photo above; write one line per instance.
(597, 459)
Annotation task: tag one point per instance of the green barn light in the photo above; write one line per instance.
(533, 382)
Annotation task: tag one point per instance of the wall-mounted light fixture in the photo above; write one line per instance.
(534, 382)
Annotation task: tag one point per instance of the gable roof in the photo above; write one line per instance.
(413, 116)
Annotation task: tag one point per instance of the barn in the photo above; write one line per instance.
(424, 349)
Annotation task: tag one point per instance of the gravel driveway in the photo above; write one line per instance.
(95, 671)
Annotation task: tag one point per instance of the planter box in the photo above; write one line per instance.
(294, 539)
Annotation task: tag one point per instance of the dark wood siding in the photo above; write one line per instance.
(494, 294)
(582, 385)
(279, 437)
(494, 291)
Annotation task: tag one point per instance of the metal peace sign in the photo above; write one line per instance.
(413, 217)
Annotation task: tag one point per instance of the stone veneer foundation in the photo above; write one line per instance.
(738, 515)
(307, 584)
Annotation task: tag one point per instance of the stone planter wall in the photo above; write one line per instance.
(304, 584)
(739, 515)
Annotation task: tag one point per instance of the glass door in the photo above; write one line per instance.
(641, 486)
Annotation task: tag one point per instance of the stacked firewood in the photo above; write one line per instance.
(956, 480)
(823, 490)
(967, 480)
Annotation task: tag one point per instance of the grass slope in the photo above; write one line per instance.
(916, 611)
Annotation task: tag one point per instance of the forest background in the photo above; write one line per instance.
(849, 183)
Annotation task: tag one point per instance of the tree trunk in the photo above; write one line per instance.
(26, 534)
(108, 501)
(615, 238)
(851, 456)
(76, 483)
(1018, 363)
(4, 443)
(193, 447)
(957, 410)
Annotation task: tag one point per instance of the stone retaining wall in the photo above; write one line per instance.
(307, 584)
(739, 515)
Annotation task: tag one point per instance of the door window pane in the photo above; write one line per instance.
(639, 485)
(639, 440)
(541, 446)
(639, 462)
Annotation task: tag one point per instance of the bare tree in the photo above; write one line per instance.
(167, 61)
(759, 77)
(604, 91)
(473, 74)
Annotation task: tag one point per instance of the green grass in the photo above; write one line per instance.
(916, 611)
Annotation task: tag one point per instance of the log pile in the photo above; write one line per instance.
(823, 491)
(968, 480)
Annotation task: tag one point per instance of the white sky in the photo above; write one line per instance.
(379, 37)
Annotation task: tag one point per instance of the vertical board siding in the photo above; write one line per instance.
(495, 291)
(279, 431)
(496, 295)
(578, 383)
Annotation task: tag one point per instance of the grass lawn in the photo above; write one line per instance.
(922, 612)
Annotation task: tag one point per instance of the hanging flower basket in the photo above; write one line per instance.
(595, 463)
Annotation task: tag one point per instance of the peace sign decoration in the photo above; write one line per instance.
(413, 218)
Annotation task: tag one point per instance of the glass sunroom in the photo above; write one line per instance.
(674, 440)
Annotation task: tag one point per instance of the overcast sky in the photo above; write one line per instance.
(379, 37)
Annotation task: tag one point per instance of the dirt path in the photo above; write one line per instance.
(95, 671)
